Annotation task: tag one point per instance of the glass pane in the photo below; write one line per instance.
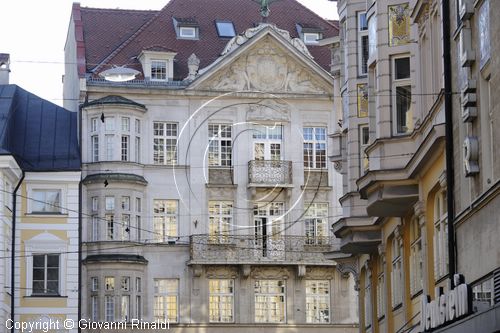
(225, 29)
(402, 68)
(403, 104)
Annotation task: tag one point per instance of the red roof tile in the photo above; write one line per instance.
(117, 37)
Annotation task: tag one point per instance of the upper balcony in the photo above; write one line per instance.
(245, 250)
(265, 173)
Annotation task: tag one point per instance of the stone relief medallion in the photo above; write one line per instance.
(267, 68)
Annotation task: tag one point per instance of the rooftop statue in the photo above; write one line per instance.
(264, 8)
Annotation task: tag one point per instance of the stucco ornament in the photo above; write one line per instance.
(268, 110)
(266, 67)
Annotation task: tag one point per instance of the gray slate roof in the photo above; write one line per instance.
(39, 134)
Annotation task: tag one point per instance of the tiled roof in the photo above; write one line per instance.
(40, 135)
(117, 37)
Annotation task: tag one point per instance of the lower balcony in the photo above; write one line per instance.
(265, 173)
(289, 250)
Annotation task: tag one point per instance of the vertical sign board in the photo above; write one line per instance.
(447, 307)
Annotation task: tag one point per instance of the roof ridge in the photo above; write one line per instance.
(316, 14)
(132, 37)
(97, 9)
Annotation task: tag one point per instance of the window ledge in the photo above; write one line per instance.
(47, 214)
(45, 296)
(397, 307)
(416, 294)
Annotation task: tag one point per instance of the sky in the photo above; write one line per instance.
(34, 33)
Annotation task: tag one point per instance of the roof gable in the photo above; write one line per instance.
(269, 61)
(159, 30)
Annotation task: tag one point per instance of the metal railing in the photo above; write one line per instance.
(251, 249)
(269, 172)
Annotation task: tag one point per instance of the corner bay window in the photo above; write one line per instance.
(166, 300)
(270, 301)
(221, 300)
(165, 143)
(45, 274)
(317, 301)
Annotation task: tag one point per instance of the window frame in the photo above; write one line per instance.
(315, 142)
(233, 34)
(401, 83)
(216, 217)
(440, 238)
(318, 297)
(94, 147)
(219, 142)
(396, 273)
(367, 302)
(46, 188)
(311, 42)
(416, 260)
(361, 33)
(268, 302)
(188, 36)
(161, 76)
(46, 291)
(220, 295)
(312, 216)
(167, 143)
(161, 234)
(381, 294)
(364, 162)
(166, 294)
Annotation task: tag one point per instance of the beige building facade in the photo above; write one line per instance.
(207, 198)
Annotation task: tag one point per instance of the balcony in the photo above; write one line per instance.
(244, 250)
(269, 173)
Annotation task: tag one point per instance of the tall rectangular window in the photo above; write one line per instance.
(95, 228)
(95, 204)
(138, 225)
(110, 203)
(125, 227)
(109, 283)
(158, 70)
(363, 47)
(364, 139)
(109, 308)
(396, 273)
(46, 201)
(368, 300)
(125, 147)
(109, 147)
(315, 147)
(138, 205)
(126, 203)
(165, 219)
(317, 301)
(381, 287)
(94, 304)
(125, 308)
(138, 307)
(270, 306)
(94, 124)
(401, 96)
(221, 300)
(316, 223)
(440, 235)
(137, 149)
(94, 284)
(109, 123)
(137, 126)
(45, 274)
(166, 296)
(165, 143)
(110, 226)
(95, 148)
(219, 151)
(416, 263)
(220, 221)
(125, 124)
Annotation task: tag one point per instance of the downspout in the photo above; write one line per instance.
(448, 110)
(80, 223)
(13, 255)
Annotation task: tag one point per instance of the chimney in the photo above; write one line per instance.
(4, 68)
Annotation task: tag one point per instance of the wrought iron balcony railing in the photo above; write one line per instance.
(261, 250)
(269, 172)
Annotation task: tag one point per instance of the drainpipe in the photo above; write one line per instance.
(448, 110)
(13, 255)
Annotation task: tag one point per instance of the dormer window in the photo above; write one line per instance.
(158, 70)
(225, 29)
(186, 28)
(309, 33)
(187, 32)
(311, 37)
